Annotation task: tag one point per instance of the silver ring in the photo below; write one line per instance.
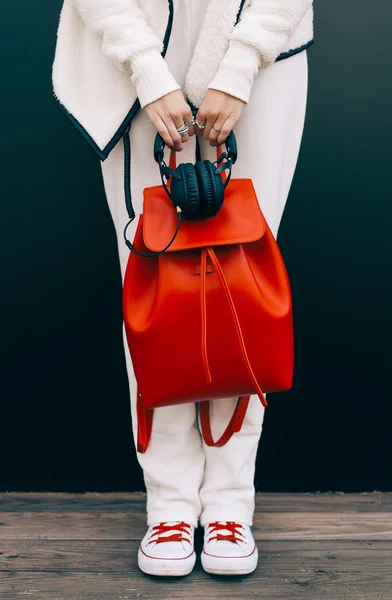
(200, 125)
(191, 123)
(216, 129)
(183, 131)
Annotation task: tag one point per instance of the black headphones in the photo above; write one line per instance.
(197, 189)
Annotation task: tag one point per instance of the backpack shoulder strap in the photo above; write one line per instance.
(144, 424)
(234, 425)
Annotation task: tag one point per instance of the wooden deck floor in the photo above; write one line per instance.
(68, 547)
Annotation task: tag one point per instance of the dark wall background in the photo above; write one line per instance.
(65, 422)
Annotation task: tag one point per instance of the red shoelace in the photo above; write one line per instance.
(180, 528)
(231, 526)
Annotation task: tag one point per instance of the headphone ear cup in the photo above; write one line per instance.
(206, 187)
(193, 209)
(211, 188)
(185, 192)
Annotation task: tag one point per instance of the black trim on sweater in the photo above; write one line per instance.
(103, 154)
(294, 51)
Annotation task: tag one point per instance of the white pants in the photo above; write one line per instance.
(185, 479)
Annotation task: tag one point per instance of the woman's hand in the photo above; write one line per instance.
(168, 114)
(219, 110)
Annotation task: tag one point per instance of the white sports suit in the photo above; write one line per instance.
(185, 479)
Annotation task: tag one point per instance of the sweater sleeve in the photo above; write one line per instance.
(256, 41)
(127, 39)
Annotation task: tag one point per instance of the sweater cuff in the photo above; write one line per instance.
(237, 71)
(151, 77)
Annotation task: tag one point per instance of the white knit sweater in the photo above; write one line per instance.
(108, 54)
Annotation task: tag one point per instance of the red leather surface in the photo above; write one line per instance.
(239, 221)
(184, 340)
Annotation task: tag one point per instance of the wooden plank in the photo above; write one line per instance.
(135, 502)
(318, 526)
(131, 526)
(72, 526)
(47, 570)
(63, 502)
(108, 556)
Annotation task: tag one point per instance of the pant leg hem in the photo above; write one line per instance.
(159, 517)
(224, 515)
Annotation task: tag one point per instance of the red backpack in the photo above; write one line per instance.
(211, 316)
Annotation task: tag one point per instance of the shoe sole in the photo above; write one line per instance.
(229, 566)
(166, 568)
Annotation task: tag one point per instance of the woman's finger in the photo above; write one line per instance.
(187, 116)
(201, 118)
(179, 121)
(162, 130)
(216, 130)
(211, 119)
(172, 129)
(227, 127)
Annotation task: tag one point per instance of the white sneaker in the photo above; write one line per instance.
(229, 549)
(167, 549)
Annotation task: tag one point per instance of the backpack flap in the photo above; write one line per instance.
(239, 221)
